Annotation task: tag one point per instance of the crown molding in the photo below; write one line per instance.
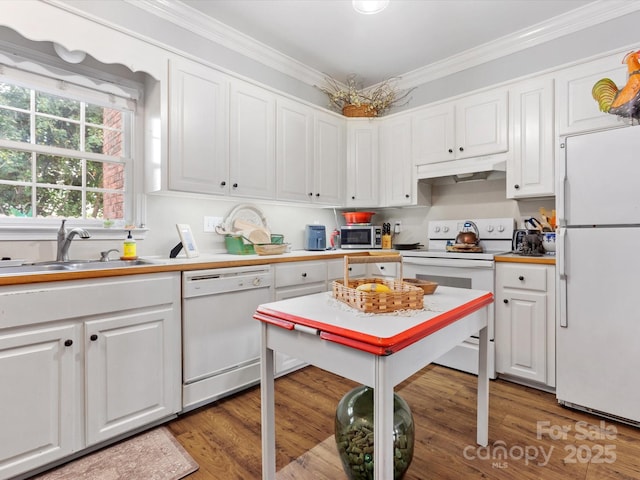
(182, 15)
(193, 20)
(584, 17)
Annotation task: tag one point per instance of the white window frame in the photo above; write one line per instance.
(89, 88)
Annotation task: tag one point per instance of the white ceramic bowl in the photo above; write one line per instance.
(549, 241)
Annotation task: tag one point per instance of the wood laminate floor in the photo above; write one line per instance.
(530, 435)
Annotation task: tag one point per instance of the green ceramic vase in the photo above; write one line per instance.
(354, 434)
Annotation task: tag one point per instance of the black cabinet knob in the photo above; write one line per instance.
(516, 186)
(461, 149)
(311, 194)
(235, 185)
(317, 194)
(407, 195)
(382, 267)
(223, 183)
(93, 337)
(521, 278)
(353, 197)
(68, 343)
(506, 301)
(451, 150)
(304, 275)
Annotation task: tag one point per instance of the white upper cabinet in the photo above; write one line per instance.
(434, 134)
(398, 184)
(330, 159)
(530, 167)
(481, 124)
(310, 155)
(198, 128)
(577, 111)
(252, 141)
(362, 163)
(294, 151)
(471, 126)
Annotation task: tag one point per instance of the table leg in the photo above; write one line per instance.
(267, 398)
(483, 388)
(383, 449)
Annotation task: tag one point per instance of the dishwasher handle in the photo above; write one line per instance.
(197, 284)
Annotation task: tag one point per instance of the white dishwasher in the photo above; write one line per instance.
(220, 338)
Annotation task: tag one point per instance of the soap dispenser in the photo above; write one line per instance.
(129, 248)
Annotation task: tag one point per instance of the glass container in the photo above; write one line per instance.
(354, 434)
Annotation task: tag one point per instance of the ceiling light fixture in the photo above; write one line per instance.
(369, 7)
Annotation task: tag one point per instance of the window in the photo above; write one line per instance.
(64, 150)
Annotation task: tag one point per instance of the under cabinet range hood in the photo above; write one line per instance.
(467, 169)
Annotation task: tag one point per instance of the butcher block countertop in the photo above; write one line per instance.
(514, 258)
(203, 262)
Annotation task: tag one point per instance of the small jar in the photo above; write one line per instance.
(354, 434)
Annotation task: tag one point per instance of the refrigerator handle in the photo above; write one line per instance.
(561, 184)
(561, 245)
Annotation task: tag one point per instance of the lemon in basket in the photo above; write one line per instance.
(373, 288)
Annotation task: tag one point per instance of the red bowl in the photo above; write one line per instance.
(358, 217)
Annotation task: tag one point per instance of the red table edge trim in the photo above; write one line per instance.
(371, 344)
(274, 321)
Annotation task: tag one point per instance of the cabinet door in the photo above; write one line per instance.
(252, 150)
(362, 164)
(530, 168)
(433, 134)
(294, 152)
(198, 126)
(398, 185)
(577, 110)
(130, 363)
(521, 335)
(481, 124)
(330, 160)
(41, 399)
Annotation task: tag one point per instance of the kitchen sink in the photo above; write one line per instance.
(72, 266)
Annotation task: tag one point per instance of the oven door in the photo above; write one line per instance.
(461, 273)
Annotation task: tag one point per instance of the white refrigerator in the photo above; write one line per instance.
(598, 268)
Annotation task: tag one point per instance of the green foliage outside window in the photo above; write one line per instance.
(68, 186)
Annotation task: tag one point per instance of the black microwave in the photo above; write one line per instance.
(360, 236)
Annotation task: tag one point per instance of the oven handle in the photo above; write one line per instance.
(450, 262)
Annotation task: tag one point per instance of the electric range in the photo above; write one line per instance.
(474, 270)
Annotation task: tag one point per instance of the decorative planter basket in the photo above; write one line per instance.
(359, 111)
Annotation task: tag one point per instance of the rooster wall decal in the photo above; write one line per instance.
(626, 101)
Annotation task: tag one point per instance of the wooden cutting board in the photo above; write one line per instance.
(464, 247)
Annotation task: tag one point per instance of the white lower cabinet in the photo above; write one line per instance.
(40, 412)
(88, 361)
(525, 323)
(295, 280)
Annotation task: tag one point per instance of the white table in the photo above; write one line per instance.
(379, 351)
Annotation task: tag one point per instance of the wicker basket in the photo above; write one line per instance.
(402, 296)
(359, 111)
(427, 286)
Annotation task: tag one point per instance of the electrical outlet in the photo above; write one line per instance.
(397, 227)
(210, 223)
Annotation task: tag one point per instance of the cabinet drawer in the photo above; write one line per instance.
(336, 270)
(300, 273)
(524, 277)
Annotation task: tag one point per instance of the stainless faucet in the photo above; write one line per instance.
(64, 240)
